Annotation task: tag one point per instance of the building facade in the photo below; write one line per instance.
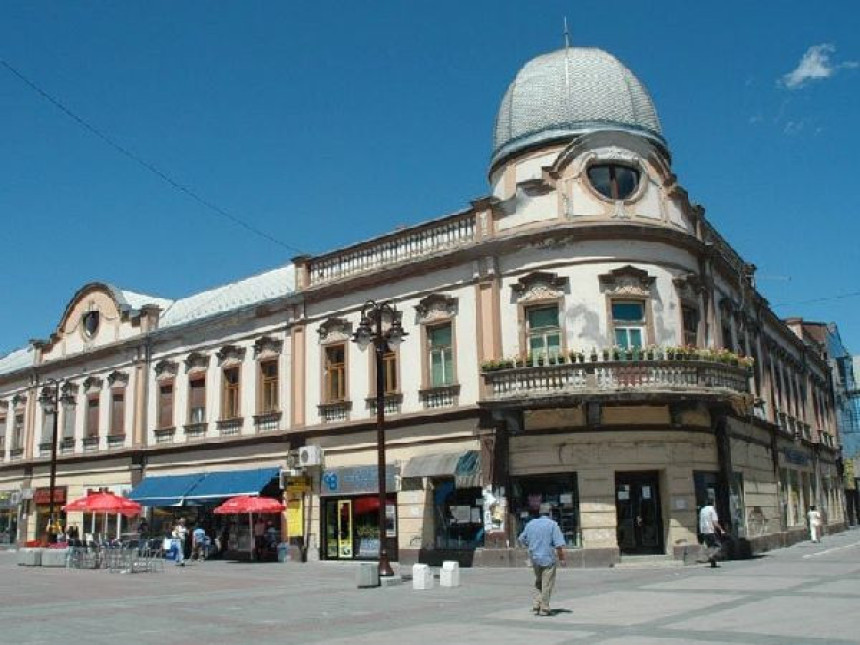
(582, 338)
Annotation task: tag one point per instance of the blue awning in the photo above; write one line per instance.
(230, 483)
(167, 490)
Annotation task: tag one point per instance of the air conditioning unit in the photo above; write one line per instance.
(310, 456)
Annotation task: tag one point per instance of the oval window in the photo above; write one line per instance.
(614, 181)
(91, 323)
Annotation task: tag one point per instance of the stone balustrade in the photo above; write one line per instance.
(569, 378)
(411, 244)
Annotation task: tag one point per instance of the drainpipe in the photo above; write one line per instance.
(724, 475)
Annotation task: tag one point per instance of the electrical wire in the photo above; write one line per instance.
(843, 296)
(145, 164)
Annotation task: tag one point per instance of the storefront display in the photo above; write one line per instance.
(8, 516)
(559, 491)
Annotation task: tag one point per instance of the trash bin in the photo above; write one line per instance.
(283, 552)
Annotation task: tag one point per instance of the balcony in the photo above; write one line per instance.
(615, 377)
(267, 422)
(443, 396)
(164, 435)
(390, 403)
(230, 427)
(422, 241)
(336, 411)
(45, 448)
(195, 431)
(67, 445)
(91, 444)
(16, 454)
(115, 441)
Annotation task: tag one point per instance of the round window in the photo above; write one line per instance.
(91, 323)
(613, 180)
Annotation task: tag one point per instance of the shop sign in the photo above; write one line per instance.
(356, 480)
(42, 496)
(795, 457)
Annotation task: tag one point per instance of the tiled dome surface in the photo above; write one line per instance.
(572, 91)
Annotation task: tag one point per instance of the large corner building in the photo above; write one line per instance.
(582, 338)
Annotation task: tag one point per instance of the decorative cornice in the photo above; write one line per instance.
(267, 346)
(627, 281)
(196, 361)
(92, 384)
(230, 355)
(117, 379)
(539, 285)
(335, 330)
(165, 369)
(436, 306)
(689, 285)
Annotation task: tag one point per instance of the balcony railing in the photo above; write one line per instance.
(164, 435)
(115, 441)
(575, 378)
(195, 430)
(90, 444)
(397, 248)
(45, 448)
(230, 427)
(444, 396)
(335, 411)
(267, 422)
(67, 445)
(16, 453)
(391, 403)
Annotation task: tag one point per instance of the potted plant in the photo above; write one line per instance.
(605, 354)
(593, 354)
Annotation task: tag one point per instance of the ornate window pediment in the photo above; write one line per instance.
(230, 355)
(92, 384)
(539, 285)
(335, 330)
(436, 306)
(689, 286)
(4, 406)
(627, 281)
(68, 393)
(19, 400)
(267, 346)
(165, 369)
(196, 362)
(117, 379)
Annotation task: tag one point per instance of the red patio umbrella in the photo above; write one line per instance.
(104, 502)
(250, 504)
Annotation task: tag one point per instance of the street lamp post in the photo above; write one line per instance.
(50, 400)
(370, 330)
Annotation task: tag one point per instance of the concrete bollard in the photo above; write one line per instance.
(367, 575)
(54, 557)
(450, 574)
(422, 577)
(30, 557)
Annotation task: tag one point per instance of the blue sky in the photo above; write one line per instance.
(323, 125)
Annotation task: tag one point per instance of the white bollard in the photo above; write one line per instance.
(450, 574)
(422, 577)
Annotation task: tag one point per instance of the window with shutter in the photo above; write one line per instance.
(117, 412)
(197, 400)
(93, 415)
(165, 405)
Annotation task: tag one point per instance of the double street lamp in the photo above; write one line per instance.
(50, 400)
(384, 339)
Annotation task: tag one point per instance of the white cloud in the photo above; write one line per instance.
(814, 65)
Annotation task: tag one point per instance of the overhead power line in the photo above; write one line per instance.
(843, 296)
(145, 164)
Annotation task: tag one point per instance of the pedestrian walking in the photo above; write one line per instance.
(179, 534)
(813, 518)
(709, 527)
(542, 537)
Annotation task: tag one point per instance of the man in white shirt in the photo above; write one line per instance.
(709, 527)
(813, 517)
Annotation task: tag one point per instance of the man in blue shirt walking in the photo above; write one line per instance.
(543, 538)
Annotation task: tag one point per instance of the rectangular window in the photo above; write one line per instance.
(197, 400)
(2, 431)
(690, 316)
(117, 412)
(68, 421)
(230, 395)
(440, 353)
(543, 331)
(389, 373)
(335, 373)
(18, 432)
(93, 415)
(165, 405)
(727, 337)
(48, 427)
(628, 321)
(269, 386)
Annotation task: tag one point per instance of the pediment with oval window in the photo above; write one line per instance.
(267, 346)
(436, 306)
(539, 285)
(627, 281)
(230, 355)
(335, 330)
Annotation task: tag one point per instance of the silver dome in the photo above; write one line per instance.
(568, 92)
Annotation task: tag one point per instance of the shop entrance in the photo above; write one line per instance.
(351, 528)
(637, 504)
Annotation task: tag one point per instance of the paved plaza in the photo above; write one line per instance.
(809, 594)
